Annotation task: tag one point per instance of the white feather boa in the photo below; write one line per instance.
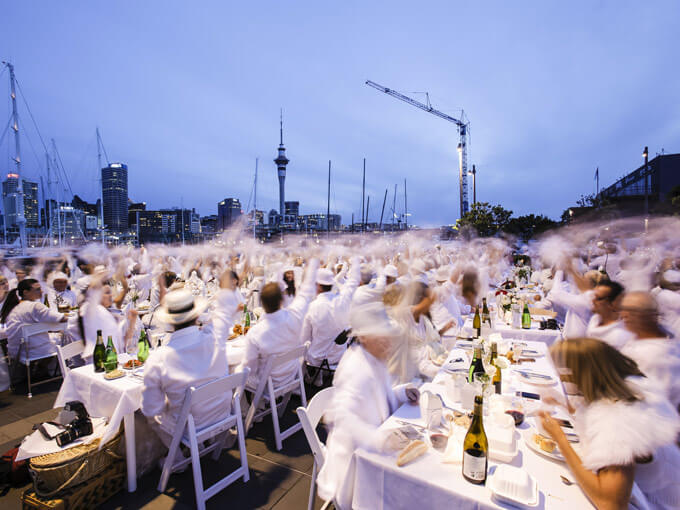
(616, 433)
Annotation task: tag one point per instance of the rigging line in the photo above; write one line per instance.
(30, 113)
(6, 130)
(63, 170)
(30, 144)
(101, 141)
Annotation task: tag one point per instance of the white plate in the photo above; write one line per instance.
(504, 498)
(537, 381)
(528, 435)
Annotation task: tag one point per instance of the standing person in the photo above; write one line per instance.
(364, 398)
(289, 283)
(328, 316)
(605, 323)
(23, 307)
(278, 331)
(627, 430)
(653, 349)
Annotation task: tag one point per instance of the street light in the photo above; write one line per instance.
(645, 154)
(473, 173)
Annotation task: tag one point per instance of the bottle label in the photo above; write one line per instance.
(474, 467)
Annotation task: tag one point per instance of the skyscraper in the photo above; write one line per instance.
(115, 195)
(228, 211)
(281, 162)
(31, 207)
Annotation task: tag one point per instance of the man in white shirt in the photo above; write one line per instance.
(328, 316)
(605, 324)
(58, 293)
(192, 356)
(278, 331)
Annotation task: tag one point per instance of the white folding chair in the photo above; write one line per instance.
(309, 418)
(273, 392)
(186, 434)
(67, 352)
(27, 332)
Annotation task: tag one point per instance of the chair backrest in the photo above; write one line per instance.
(68, 352)
(30, 330)
(278, 360)
(309, 418)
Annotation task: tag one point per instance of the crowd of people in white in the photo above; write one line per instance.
(374, 314)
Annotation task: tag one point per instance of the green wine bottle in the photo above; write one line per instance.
(476, 365)
(526, 317)
(497, 382)
(143, 346)
(99, 354)
(111, 359)
(476, 447)
(246, 320)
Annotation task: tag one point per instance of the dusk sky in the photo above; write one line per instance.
(187, 94)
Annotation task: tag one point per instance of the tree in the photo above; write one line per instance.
(486, 219)
(529, 225)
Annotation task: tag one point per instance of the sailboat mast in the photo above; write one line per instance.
(382, 213)
(405, 208)
(363, 193)
(255, 202)
(328, 202)
(101, 186)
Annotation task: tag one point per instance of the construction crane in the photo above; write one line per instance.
(463, 128)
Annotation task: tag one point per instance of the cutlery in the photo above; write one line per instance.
(529, 375)
(414, 425)
(566, 481)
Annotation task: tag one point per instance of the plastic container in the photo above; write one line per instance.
(514, 486)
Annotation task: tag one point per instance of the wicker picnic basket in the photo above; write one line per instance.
(55, 472)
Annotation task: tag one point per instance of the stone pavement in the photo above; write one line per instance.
(278, 480)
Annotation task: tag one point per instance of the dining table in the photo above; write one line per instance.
(435, 480)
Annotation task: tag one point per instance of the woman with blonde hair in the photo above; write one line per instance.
(627, 430)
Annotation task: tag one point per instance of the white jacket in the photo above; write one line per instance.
(363, 400)
(638, 430)
(577, 306)
(25, 313)
(191, 357)
(277, 333)
(659, 360)
(327, 317)
(614, 333)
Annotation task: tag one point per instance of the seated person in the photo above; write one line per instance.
(58, 293)
(364, 397)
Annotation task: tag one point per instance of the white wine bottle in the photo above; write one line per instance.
(476, 447)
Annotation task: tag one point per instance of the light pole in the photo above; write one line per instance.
(645, 155)
(473, 173)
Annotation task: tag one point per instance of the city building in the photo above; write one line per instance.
(274, 218)
(292, 211)
(30, 194)
(281, 162)
(228, 212)
(209, 224)
(628, 193)
(318, 222)
(166, 225)
(115, 195)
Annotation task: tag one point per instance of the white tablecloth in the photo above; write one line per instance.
(546, 336)
(375, 482)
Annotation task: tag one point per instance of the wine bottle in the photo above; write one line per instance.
(497, 382)
(99, 354)
(477, 322)
(526, 317)
(111, 359)
(486, 316)
(47, 301)
(246, 321)
(143, 346)
(476, 447)
(476, 365)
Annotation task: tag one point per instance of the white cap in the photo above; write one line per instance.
(324, 277)
(391, 271)
(672, 276)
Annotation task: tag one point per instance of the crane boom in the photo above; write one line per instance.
(462, 131)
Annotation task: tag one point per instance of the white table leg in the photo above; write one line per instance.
(130, 455)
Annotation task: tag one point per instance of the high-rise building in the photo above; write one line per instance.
(115, 194)
(281, 162)
(228, 211)
(31, 207)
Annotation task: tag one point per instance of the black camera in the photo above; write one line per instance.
(80, 426)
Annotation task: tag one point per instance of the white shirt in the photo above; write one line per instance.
(659, 360)
(363, 400)
(191, 357)
(277, 333)
(614, 333)
(30, 312)
(327, 317)
(67, 297)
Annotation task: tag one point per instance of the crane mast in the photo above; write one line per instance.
(462, 132)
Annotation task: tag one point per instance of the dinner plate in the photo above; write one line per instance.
(537, 381)
(528, 436)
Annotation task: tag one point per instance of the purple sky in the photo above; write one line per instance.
(188, 95)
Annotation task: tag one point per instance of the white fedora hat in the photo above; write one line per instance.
(324, 277)
(180, 306)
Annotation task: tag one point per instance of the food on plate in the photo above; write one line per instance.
(132, 363)
(537, 297)
(510, 356)
(114, 374)
(246, 329)
(462, 421)
(238, 329)
(545, 444)
(414, 450)
(518, 416)
(232, 336)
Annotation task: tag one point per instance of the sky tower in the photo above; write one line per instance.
(281, 162)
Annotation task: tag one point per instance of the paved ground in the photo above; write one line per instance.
(278, 480)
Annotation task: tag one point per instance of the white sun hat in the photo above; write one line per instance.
(180, 306)
(324, 277)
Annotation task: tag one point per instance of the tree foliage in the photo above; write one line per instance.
(489, 220)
